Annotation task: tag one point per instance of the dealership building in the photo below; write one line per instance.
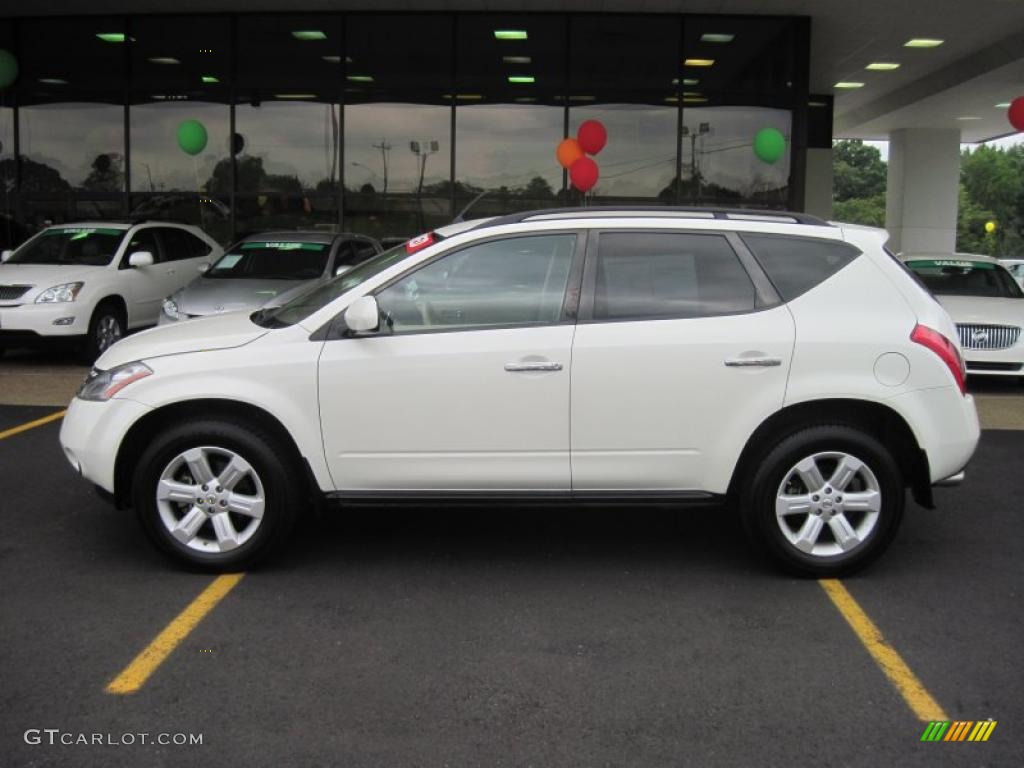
(388, 118)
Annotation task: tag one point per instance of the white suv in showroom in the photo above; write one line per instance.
(93, 281)
(775, 361)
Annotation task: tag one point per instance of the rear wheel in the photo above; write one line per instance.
(216, 495)
(826, 500)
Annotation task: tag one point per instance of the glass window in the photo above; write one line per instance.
(179, 117)
(963, 277)
(354, 251)
(94, 247)
(143, 240)
(176, 244)
(71, 119)
(510, 114)
(624, 72)
(651, 275)
(272, 260)
(199, 246)
(795, 265)
(398, 95)
(514, 282)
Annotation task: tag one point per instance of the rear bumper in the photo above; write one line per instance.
(946, 426)
(952, 479)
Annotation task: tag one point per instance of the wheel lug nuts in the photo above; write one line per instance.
(815, 497)
(223, 503)
(206, 487)
(828, 490)
(219, 489)
(839, 498)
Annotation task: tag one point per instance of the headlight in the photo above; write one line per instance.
(171, 310)
(59, 293)
(103, 385)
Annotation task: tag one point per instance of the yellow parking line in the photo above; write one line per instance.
(890, 662)
(32, 424)
(153, 655)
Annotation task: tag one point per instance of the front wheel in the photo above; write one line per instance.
(825, 501)
(216, 495)
(106, 327)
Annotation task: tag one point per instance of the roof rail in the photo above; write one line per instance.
(657, 211)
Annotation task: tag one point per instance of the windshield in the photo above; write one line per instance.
(963, 277)
(303, 306)
(82, 246)
(277, 260)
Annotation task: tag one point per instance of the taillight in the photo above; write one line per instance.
(946, 350)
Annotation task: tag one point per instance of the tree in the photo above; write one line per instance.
(106, 174)
(992, 189)
(869, 211)
(857, 171)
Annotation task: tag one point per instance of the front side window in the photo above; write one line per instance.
(79, 246)
(514, 282)
(964, 277)
(666, 275)
(271, 260)
(143, 240)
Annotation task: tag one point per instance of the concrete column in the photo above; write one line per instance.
(923, 184)
(818, 182)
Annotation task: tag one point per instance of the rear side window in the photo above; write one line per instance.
(176, 242)
(797, 264)
(652, 275)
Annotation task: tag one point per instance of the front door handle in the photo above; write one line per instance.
(515, 367)
(753, 362)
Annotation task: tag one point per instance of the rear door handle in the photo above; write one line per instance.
(753, 362)
(515, 367)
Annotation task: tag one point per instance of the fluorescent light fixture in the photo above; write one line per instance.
(525, 99)
(699, 62)
(582, 98)
(817, 103)
(360, 78)
(521, 78)
(716, 37)
(308, 34)
(1003, 105)
(517, 59)
(465, 96)
(163, 60)
(510, 34)
(209, 79)
(111, 37)
(694, 100)
(332, 59)
(882, 66)
(686, 81)
(923, 42)
(846, 84)
(294, 95)
(52, 81)
(969, 117)
(672, 99)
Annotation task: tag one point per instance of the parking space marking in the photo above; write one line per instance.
(32, 424)
(889, 661)
(134, 676)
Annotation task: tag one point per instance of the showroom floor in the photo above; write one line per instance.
(540, 637)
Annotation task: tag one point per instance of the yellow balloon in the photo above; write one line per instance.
(990, 227)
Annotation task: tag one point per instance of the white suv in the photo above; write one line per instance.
(684, 356)
(93, 281)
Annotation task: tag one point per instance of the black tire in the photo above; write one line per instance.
(758, 500)
(282, 491)
(99, 339)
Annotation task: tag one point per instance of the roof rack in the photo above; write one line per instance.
(658, 211)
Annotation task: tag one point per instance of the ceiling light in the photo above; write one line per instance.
(294, 95)
(525, 99)
(52, 81)
(517, 59)
(716, 38)
(923, 42)
(520, 78)
(465, 96)
(882, 66)
(360, 78)
(817, 103)
(1003, 105)
(510, 34)
(842, 84)
(163, 60)
(699, 62)
(672, 99)
(210, 79)
(582, 98)
(694, 100)
(111, 37)
(686, 81)
(970, 117)
(308, 34)
(332, 59)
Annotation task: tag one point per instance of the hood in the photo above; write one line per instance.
(214, 295)
(43, 276)
(984, 310)
(233, 329)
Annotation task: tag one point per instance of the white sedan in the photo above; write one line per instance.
(985, 302)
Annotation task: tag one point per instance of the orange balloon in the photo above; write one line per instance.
(568, 152)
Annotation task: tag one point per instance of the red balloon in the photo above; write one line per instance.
(583, 174)
(1015, 113)
(592, 136)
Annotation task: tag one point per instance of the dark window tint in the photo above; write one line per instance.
(198, 246)
(668, 275)
(176, 244)
(352, 252)
(796, 264)
(143, 240)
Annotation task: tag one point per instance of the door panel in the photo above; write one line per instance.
(145, 288)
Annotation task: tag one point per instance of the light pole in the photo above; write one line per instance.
(702, 130)
(422, 150)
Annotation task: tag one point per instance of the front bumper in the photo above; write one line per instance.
(64, 319)
(92, 433)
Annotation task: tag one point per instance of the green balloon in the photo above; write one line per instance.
(192, 137)
(769, 145)
(8, 68)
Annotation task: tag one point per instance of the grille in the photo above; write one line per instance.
(12, 292)
(987, 336)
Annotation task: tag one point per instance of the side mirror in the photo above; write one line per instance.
(342, 269)
(203, 269)
(141, 259)
(6, 255)
(363, 315)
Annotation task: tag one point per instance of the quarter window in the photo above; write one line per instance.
(797, 264)
(652, 275)
(515, 282)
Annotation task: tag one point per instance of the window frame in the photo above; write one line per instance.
(765, 295)
(158, 256)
